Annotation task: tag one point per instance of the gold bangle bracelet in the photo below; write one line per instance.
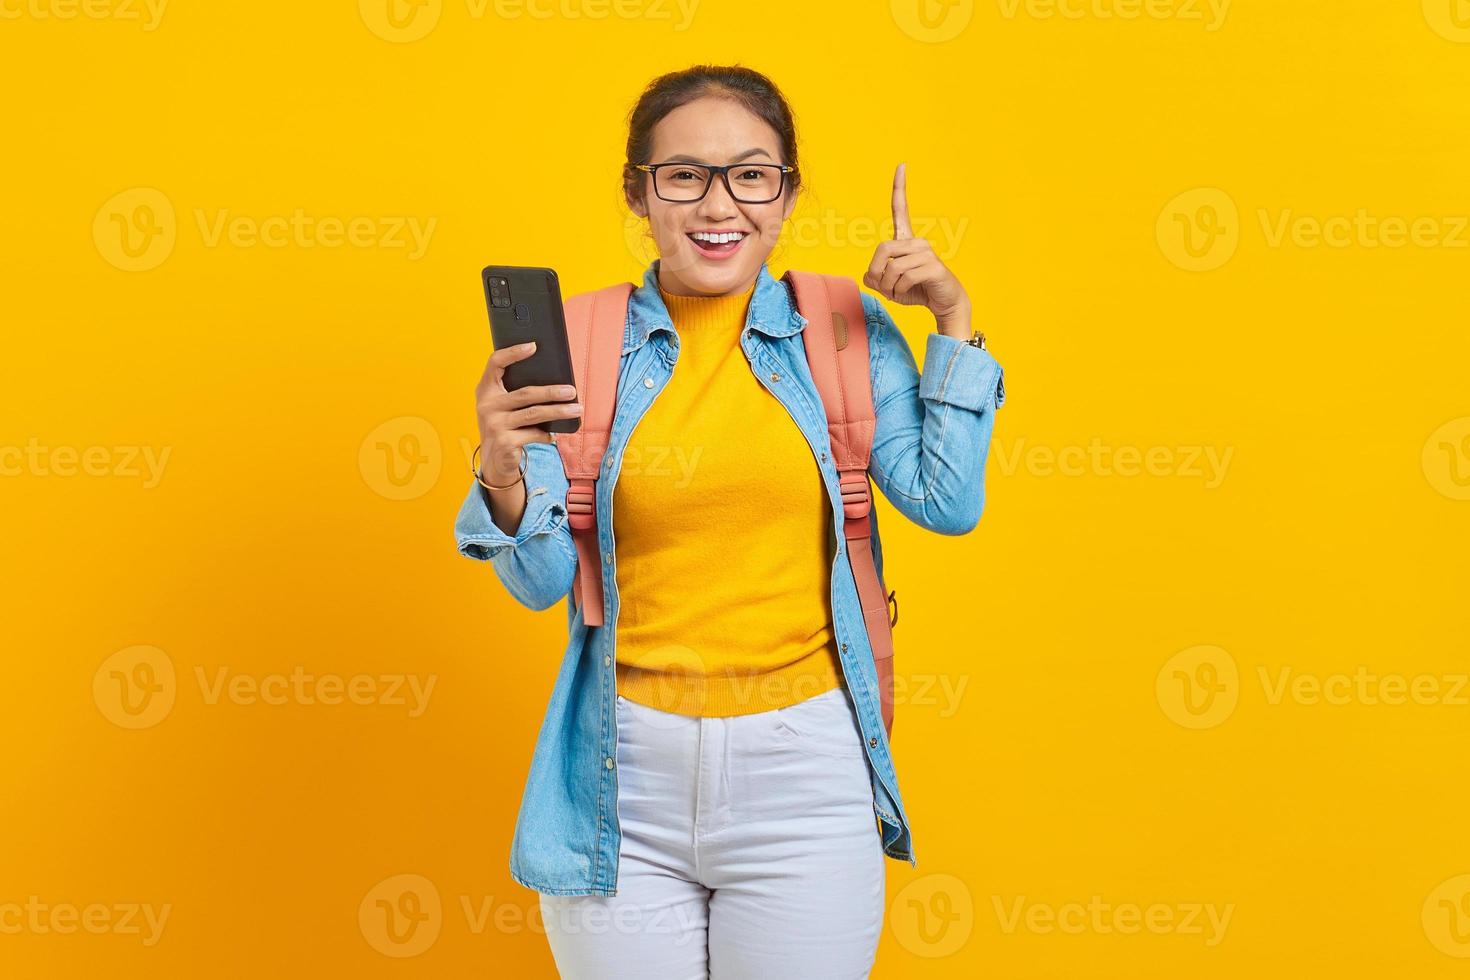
(480, 479)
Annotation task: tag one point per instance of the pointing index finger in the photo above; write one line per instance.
(901, 227)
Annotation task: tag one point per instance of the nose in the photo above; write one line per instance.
(717, 203)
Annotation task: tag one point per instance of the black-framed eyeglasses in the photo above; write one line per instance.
(682, 183)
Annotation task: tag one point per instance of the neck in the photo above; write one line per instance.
(671, 285)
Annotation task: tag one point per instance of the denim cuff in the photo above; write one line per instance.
(475, 531)
(958, 374)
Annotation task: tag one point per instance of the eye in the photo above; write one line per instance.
(754, 173)
(685, 175)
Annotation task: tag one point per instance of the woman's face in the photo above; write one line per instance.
(715, 131)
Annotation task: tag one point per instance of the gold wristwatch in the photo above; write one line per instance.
(978, 340)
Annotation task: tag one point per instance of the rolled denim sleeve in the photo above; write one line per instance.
(933, 429)
(538, 563)
(955, 373)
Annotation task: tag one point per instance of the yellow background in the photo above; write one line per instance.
(1074, 768)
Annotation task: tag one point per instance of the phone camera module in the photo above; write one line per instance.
(499, 292)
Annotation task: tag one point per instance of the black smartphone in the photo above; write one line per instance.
(525, 305)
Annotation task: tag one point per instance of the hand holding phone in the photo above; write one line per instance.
(528, 388)
(525, 306)
(511, 420)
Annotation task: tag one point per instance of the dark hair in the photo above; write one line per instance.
(668, 92)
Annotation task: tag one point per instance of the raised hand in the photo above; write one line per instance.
(906, 270)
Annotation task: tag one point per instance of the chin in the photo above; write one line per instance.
(711, 278)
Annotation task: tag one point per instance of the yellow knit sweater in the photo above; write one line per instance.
(723, 536)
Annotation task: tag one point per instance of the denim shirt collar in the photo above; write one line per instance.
(771, 311)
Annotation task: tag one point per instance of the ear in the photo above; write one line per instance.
(635, 191)
(789, 206)
(637, 206)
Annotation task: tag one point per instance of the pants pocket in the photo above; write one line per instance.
(823, 725)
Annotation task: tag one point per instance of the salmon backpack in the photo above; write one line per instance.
(836, 340)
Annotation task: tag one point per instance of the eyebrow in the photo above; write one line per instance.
(685, 158)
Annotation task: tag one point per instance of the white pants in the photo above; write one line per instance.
(750, 849)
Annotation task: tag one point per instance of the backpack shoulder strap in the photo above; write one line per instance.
(836, 341)
(836, 338)
(596, 322)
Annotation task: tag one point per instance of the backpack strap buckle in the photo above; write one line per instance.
(857, 498)
(581, 504)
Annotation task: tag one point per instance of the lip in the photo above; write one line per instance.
(716, 256)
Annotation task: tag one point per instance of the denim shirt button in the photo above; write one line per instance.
(608, 762)
(872, 743)
(648, 382)
(606, 660)
(775, 376)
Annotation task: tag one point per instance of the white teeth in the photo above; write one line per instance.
(718, 239)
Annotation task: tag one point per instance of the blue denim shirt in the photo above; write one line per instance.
(929, 450)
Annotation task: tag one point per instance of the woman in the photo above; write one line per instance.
(703, 793)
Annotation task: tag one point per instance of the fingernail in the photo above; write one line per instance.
(529, 345)
(566, 391)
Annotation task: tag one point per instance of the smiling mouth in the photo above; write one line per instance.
(717, 245)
